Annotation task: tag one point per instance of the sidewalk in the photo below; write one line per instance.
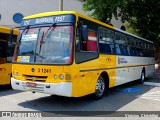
(154, 79)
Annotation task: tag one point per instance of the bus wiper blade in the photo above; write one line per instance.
(44, 35)
(27, 27)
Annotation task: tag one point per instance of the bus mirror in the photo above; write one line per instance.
(84, 31)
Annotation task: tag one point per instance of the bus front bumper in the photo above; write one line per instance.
(61, 89)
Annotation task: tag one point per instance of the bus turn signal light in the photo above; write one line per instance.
(68, 77)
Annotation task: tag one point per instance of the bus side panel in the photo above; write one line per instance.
(112, 76)
(83, 80)
(73, 70)
(89, 72)
(5, 73)
(130, 68)
(84, 77)
(149, 70)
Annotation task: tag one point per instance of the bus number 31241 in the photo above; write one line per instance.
(43, 70)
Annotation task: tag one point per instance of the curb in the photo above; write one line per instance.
(152, 83)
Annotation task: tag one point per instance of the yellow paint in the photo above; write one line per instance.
(5, 73)
(5, 67)
(8, 30)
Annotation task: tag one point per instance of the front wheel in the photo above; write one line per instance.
(100, 88)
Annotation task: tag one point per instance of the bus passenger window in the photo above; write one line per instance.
(118, 49)
(106, 44)
(128, 50)
(77, 40)
(105, 48)
(92, 41)
(3, 48)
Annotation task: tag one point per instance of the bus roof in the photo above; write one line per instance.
(45, 14)
(7, 30)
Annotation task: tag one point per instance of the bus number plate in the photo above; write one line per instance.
(43, 70)
(31, 84)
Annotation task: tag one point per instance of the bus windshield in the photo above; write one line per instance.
(2, 49)
(45, 45)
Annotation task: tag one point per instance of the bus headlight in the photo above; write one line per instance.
(61, 76)
(55, 76)
(15, 73)
(18, 74)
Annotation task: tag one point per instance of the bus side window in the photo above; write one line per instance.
(92, 41)
(77, 40)
(10, 51)
(106, 44)
(90, 44)
(117, 49)
(2, 48)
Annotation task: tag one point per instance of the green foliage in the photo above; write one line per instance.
(102, 9)
(142, 15)
(129, 28)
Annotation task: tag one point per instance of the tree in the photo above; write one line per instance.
(144, 18)
(102, 10)
(142, 15)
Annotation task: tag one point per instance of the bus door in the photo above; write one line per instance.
(88, 53)
(6, 53)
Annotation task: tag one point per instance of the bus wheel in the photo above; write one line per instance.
(100, 88)
(142, 77)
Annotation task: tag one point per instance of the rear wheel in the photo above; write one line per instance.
(142, 77)
(100, 88)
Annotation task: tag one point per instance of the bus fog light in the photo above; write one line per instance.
(17, 83)
(68, 77)
(47, 86)
(55, 76)
(14, 73)
(61, 76)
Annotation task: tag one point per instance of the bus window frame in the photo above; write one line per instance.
(113, 33)
(71, 23)
(79, 53)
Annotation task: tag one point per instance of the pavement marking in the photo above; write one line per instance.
(152, 84)
(151, 96)
(129, 90)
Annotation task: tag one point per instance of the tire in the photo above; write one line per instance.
(100, 88)
(142, 77)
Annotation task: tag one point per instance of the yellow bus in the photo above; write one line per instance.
(68, 54)
(7, 45)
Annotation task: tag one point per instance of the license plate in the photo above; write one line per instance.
(30, 84)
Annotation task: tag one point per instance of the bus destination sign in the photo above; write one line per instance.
(48, 20)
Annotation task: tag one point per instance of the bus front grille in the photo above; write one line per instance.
(35, 78)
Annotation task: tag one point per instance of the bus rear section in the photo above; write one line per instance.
(7, 45)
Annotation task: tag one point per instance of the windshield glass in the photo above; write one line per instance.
(46, 45)
(27, 45)
(2, 49)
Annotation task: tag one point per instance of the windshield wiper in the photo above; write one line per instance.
(44, 35)
(27, 27)
(48, 33)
